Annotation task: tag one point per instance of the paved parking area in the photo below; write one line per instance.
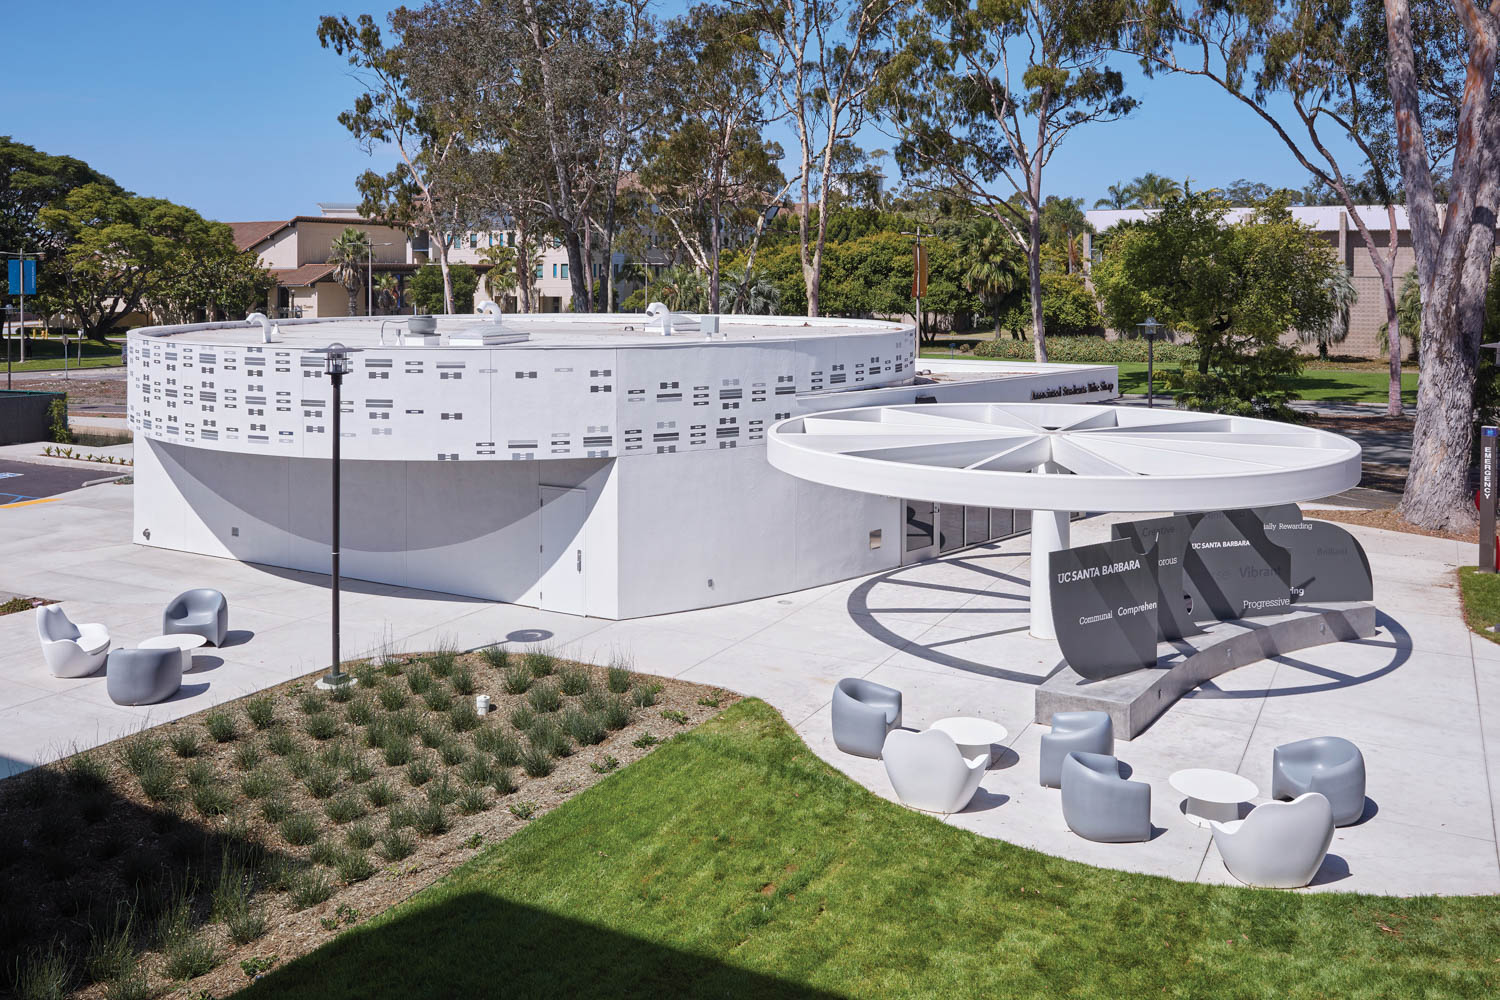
(1421, 698)
(23, 481)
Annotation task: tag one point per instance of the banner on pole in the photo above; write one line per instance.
(1489, 448)
(919, 272)
(19, 284)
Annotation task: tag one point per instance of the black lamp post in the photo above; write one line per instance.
(336, 364)
(1150, 329)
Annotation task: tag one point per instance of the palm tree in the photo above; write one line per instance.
(1154, 190)
(1341, 291)
(1119, 196)
(350, 253)
(501, 278)
(387, 293)
(755, 295)
(1408, 315)
(682, 288)
(994, 266)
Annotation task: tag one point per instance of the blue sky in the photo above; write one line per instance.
(232, 108)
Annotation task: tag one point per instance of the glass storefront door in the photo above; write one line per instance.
(932, 529)
(918, 540)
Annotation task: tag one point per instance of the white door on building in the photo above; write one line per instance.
(560, 584)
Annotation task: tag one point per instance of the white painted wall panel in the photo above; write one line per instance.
(724, 515)
(445, 449)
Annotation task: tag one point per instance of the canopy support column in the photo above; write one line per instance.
(1049, 532)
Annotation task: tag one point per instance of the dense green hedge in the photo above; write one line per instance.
(1094, 350)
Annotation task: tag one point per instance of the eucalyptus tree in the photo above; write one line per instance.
(1440, 73)
(984, 96)
(556, 95)
(419, 192)
(711, 167)
(1311, 71)
(821, 59)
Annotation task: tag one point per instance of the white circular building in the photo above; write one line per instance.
(589, 464)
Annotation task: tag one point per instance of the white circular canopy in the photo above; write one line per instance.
(1064, 457)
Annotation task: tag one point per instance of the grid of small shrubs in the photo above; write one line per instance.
(286, 794)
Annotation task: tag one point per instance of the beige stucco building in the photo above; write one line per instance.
(1332, 223)
(296, 250)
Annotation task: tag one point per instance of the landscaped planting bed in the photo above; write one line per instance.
(202, 853)
(15, 605)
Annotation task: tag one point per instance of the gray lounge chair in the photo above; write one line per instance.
(142, 676)
(1100, 805)
(1280, 845)
(863, 713)
(1086, 732)
(1328, 765)
(202, 612)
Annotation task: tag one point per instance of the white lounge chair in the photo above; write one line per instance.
(1280, 845)
(929, 773)
(70, 650)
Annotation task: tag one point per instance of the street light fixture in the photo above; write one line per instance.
(1151, 329)
(336, 364)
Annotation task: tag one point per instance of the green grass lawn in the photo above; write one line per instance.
(46, 355)
(732, 862)
(1481, 597)
(1321, 384)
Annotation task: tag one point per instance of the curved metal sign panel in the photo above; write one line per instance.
(1200, 567)
(1166, 538)
(1104, 607)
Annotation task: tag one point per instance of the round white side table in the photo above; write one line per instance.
(186, 643)
(973, 736)
(1212, 795)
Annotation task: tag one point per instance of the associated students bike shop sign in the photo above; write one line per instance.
(1112, 602)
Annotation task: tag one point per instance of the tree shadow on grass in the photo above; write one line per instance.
(477, 944)
(77, 856)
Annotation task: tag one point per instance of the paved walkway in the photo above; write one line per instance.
(1422, 698)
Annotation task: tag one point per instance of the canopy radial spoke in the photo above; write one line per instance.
(1082, 460)
(1017, 458)
(964, 415)
(1197, 423)
(871, 444)
(1163, 460)
(952, 454)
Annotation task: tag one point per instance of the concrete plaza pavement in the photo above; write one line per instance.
(1421, 698)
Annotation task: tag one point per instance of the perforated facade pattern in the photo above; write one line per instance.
(498, 404)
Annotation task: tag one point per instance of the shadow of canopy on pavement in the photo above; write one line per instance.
(476, 944)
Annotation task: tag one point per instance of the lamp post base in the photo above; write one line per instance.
(330, 681)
